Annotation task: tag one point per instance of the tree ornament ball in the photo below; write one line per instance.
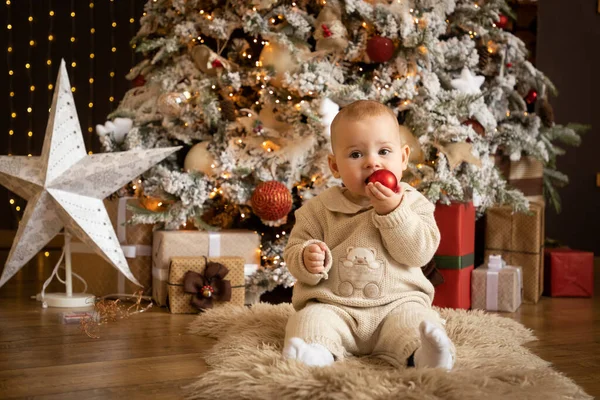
(138, 81)
(502, 21)
(531, 96)
(385, 177)
(199, 159)
(271, 201)
(477, 127)
(380, 49)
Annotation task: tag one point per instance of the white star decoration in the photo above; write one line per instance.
(64, 187)
(468, 83)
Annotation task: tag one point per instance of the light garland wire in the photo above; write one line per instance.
(91, 79)
(11, 92)
(113, 58)
(72, 48)
(29, 68)
(51, 39)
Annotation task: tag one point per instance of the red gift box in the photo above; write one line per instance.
(568, 273)
(455, 292)
(454, 256)
(456, 223)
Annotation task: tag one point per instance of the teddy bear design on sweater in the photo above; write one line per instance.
(360, 270)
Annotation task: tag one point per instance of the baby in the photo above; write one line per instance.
(357, 251)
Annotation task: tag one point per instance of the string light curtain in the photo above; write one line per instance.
(37, 34)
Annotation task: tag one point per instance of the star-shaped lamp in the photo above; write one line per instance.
(65, 186)
(468, 83)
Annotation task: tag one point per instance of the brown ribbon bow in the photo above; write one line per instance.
(208, 286)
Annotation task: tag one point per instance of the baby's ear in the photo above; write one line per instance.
(405, 153)
(333, 166)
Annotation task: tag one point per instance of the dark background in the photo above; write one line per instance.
(568, 42)
(562, 36)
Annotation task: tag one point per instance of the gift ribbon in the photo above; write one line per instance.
(454, 262)
(491, 286)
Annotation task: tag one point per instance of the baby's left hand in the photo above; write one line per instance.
(384, 199)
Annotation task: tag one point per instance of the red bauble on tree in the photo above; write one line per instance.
(385, 177)
(271, 202)
(531, 96)
(502, 21)
(380, 49)
(138, 81)
(477, 127)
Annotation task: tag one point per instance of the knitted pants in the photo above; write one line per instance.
(391, 333)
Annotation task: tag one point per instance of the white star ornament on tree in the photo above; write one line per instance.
(65, 186)
(468, 83)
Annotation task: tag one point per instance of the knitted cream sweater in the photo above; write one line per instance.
(373, 260)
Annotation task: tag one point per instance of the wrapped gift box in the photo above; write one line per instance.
(496, 286)
(568, 273)
(455, 255)
(180, 302)
(519, 239)
(169, 244)
(525, 174)
(136, 241)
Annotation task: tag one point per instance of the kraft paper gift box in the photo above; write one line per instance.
(180, 302)
(568, 273)
(496, 286)
(136, 241)
(455, 255)
(169, 244)
(525, 174)
(519, 239)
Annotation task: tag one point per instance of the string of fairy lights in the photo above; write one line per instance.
(9, 65)
(49, 53)
(113, 57)
(73, 41)
(92, 57)
(29, 68)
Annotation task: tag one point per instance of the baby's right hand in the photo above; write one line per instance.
(314, 257)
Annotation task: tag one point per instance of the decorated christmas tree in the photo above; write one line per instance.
(250, 88)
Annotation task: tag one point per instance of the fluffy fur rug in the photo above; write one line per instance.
(246, 363)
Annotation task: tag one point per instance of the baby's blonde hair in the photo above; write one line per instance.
(362, 109)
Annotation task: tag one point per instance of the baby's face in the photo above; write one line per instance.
(363, 147)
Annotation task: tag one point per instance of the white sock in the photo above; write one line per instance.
(312, 354)
(435, 350)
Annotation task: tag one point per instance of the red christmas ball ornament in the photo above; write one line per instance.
(385, 177)
(509, 65)
(531, 96)
(138, 81)
(502, 21)
(380, 49)
(477, 127)
(271, 202)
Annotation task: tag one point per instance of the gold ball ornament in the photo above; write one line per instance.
(271, 202)
(171, 104)
(207, 291)
(199, 159)
(280, 58)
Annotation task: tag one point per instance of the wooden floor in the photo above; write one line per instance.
(150, 355)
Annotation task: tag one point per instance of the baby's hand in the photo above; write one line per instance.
(314, 257)
(384, 199)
